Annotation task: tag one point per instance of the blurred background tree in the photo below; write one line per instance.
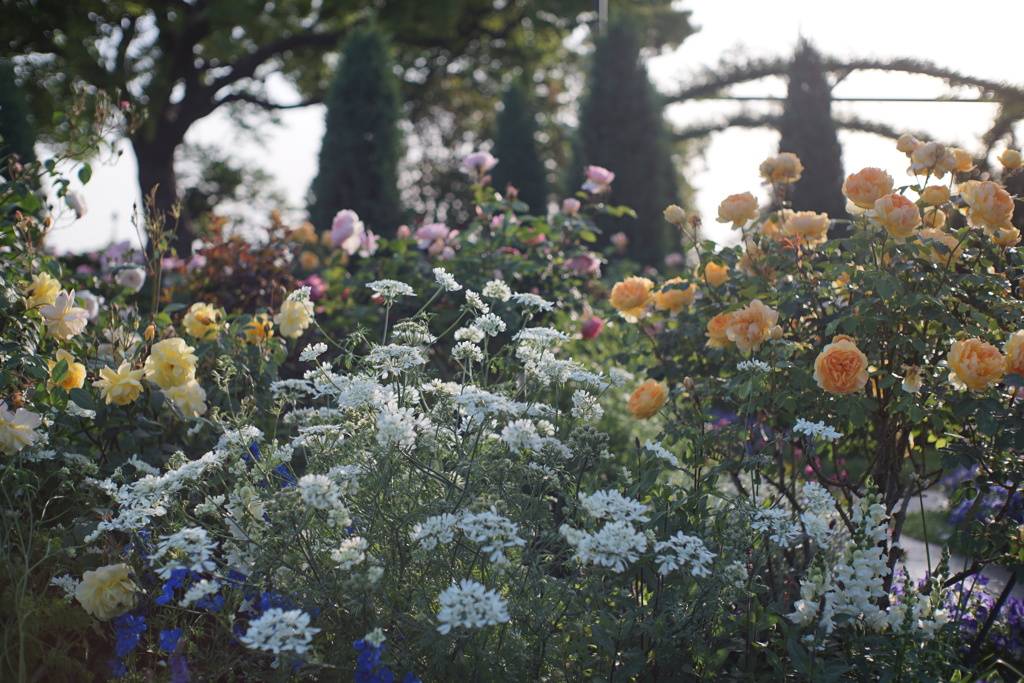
(515, 146)
(17, 134)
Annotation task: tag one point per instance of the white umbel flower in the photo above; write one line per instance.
(279, 631)
(470, 605)
(445, 279)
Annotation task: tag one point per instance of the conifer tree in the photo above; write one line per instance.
(16, 130)
(621, 128)
(515, 146)
(809, 131)
(362, 142)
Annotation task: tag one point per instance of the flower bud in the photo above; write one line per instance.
(149, 333)
(689, 384)
(675, 215)
(777, 332)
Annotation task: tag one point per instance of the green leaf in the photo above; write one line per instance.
(587, 236)
(59, 372)
(85, 173)
(82, 399)
(171, 308)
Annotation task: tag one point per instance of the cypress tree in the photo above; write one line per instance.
(362, 142)
(515, 147)
(809, 131)
(621, 128)
(16, 129)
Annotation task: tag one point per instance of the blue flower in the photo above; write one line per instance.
(129, 630)
(169, 639)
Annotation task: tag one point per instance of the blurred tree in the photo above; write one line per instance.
(17, 134)
(808, 130)
(181, 60)
(515, 146)
(622, 129)
(362, 142)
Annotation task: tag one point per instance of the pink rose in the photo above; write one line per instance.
(478, 163)
(368, 244)
(403, 232)
(317, 286)
(592, 327)
(674, 260)
(347, 231)
(430, 233)
(584, 264)
(598, 180)
(570, 206)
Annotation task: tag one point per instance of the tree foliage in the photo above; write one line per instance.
(515, 145)
(362, 142)
(17, 134)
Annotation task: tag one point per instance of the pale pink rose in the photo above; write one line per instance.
(316, 284)
(674, 260)
(403, 232)
(368, 244)
(447, 254)
(347, 231)
(584, 264)
(598, 180)
(131, 278)
(196, 262)
(570, 206)
(498, 220)
(619, 241)
(592, 327)
(430, 233)
(478, 163)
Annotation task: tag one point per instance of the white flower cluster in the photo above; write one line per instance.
(394, 359)
(321, 492)
(612, 505)
(435, 529)
(412, 333)
(753, 366)
(351, 553)
(474, 302)
(682, 551)
(490, 324)
(470, 605)
(279, 631)
(919, 614)
(532, 302)
(585, 406)
(497, 289)
(446, 280)
(466, 350)
(778, 523)
(199, 590)
(661, 452)
(493, 532)
(521, 435)
(819, 512)
(196, 551)
(312, 352)
(615, 545)
(301, 294)
(541, 336)
(389, 290)
(398, 426)
(818, 430)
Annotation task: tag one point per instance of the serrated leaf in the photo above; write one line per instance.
(82, 399)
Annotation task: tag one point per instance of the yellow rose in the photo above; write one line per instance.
(716, 334)
(190, 398)
(975, 364)
(43, 290)
(913, 379)
(989, 206)
(751, 326)
(171, 363)
(1014, 350)
(121, 386)
(631, 297)
(1011, 159)
(648, 399)
(754, 263)
(931, 158)
(259, 329)
(898, 215)
(737, 209)
(17, 429)
(715, 274)
(676, 299)
(841, 368)
(784, 168)
(964, 161)
(806, 227)
(675, 215)
(75, 376)
(769, 227)
(952, 251)
(866, 187)
(203, 321)
(107, 592)
(935, 195)
(933, 217)
(1006, 237)
(295, 316)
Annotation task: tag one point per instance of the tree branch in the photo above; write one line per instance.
(265, 104)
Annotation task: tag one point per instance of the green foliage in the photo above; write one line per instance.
(362, 142)
(515, 145)
(17, 134)
(622, 129)
(808, 130)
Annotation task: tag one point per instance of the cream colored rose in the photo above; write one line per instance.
(171, 363)
(975, 364)
(769, 227)
(898, 215)
(1006, 237)
(295, 316)
(64, 320)
(43, 290)
(931, 158)
(751, 326)
(907, 144)
(866, 187)
(675, 299)
(952, 251)
(841, 368)
(935, 195)
(989, 206)
(806, 227)
(190, 398)
(737, 209)
(631, 297)
(1011, 159)
(675, 215)
(107, 592)
(715, 274)
(648, 399)
(17, 429)
(964, 160)
(203, 321)
(1014, 351)
(784, 168)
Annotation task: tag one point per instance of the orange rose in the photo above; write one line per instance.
(990, 206)
(1011, 159)
(675, 299)
(648, 399)
(964, 160)
(784, 168)
(1014, 350)
(935, 195)
(952, 251)
(841, 368)
(715, 274)
(631, 297)
(716, 334)
(753, 262)
(751, 326)
(933, 217)
(898, 215)
(737, 209)
(866, 187)
(807, 227)
(975, 364)
(932, 158)
(769, 227)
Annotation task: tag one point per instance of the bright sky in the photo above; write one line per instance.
(979, 39)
